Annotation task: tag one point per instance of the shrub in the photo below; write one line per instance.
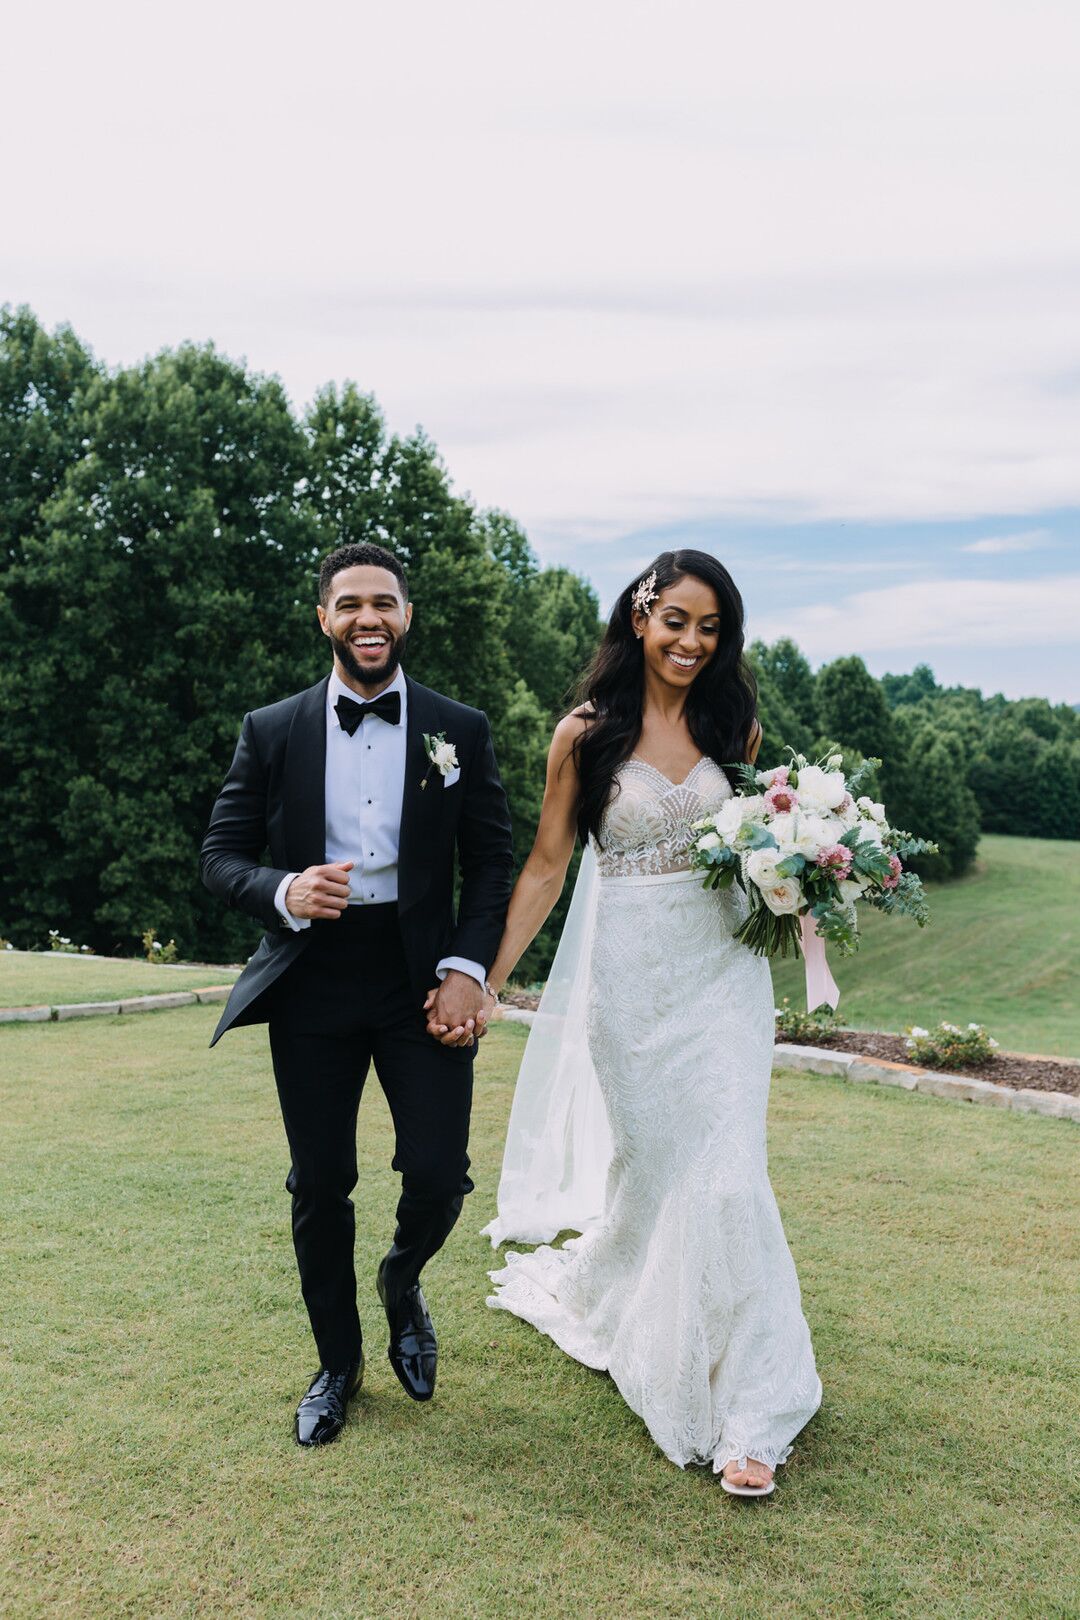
(155, 951)
(792, 1024)
(950, 1047)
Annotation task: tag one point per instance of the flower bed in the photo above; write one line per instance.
(1005, 1068)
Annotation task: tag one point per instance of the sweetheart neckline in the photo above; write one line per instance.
(667, 779)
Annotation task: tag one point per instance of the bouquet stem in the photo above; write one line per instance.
(769, 935)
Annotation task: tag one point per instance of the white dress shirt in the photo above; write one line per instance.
(365, 782)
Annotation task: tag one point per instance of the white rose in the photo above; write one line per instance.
(820, 790)
(811, 834)
(851, 888)
(784, 897)
(445, 757)
(710, 841)
(869, 833)
(783, 829)
(850, 817)
(751, 805)
(870, 808)
(734, 812)
(761, 867)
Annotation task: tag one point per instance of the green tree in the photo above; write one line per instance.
(852, 707)
(41, 378)
(1025, 783)
(790, 677)
(932, 799)
(781, 727)
(913, 688)
(163, 595)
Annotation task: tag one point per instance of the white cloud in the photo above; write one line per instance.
(627, 263)
(996, 545)
(936, 613)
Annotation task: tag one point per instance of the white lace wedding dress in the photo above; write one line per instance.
(684, 1290)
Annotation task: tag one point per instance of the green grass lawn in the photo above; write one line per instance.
(155, 1346)
(52, 977)
(1002, 949)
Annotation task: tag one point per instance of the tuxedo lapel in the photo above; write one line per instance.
(420, 806)
(305, 781)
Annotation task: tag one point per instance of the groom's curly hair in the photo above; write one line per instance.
(360, 554)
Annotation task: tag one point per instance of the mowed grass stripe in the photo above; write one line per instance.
(156, 1346)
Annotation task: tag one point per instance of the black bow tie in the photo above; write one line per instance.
(387, 706)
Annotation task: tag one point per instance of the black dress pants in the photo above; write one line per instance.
(345, 1003)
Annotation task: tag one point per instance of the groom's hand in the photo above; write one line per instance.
(457, 1010)
(319, 891)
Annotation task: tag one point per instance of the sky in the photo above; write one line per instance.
(797, 285)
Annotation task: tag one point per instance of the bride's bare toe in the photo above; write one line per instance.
(747, 1471)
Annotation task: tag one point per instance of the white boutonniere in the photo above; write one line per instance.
(442, 754)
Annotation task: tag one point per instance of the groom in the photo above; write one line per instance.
(361, 787)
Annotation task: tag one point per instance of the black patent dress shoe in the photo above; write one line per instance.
(414, 1348)
(320, 1417)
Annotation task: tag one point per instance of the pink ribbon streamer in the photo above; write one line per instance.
(820, 984)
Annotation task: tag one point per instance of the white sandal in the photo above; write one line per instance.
(745, 1490)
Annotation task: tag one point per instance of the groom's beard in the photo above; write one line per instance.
(370, 674)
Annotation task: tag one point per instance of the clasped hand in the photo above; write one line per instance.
(458, 1010)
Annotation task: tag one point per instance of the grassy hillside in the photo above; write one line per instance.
(1002, 949)
(156, 1345)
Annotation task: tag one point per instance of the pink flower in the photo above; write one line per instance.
(895, 870)
(845, 804)
(780, 797)
(837, 858)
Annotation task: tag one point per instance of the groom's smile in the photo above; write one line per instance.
(369, 649)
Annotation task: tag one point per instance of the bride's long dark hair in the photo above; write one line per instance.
(720, 704)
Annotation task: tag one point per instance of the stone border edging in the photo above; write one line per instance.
(882, 1072)
(107, 1009)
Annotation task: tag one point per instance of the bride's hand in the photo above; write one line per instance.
(444, 1005)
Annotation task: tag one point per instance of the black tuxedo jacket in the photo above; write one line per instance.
(274, 798)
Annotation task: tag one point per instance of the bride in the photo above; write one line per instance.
(639, 1117)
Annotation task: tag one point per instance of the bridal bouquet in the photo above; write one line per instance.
(804, 843)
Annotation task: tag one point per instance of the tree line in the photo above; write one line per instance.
(161, 527)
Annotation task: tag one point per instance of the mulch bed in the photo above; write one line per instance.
(1004, 1068)
(527, 1000)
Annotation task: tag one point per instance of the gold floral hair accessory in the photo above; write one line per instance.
(645, 593)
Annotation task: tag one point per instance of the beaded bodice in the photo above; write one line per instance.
(648, 825)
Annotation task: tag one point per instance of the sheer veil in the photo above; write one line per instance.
(558, 1145)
